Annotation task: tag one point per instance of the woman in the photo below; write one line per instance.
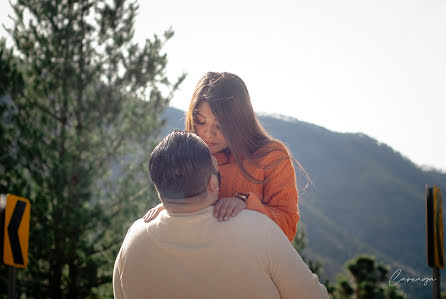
(256, 170)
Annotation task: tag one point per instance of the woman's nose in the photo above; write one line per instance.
(211, 131)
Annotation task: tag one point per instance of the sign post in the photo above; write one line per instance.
(11, 282)
(434, 233)
(15, 217)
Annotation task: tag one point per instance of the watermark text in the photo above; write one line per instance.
(394, 279)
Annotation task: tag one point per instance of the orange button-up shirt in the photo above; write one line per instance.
(277, 198)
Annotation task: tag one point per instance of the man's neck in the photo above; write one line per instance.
(188, 205)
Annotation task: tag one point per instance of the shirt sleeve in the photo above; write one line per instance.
(289, 272)
(118, 285)
(280, 197)
(117, 282)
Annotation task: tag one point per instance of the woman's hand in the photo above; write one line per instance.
(153, 212)
(228, 206)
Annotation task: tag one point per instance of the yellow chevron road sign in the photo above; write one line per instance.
(16, 231)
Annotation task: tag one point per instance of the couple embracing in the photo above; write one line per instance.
(228, 212)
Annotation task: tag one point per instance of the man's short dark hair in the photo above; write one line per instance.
(180, 165)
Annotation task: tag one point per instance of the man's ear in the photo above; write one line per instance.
(213, 184)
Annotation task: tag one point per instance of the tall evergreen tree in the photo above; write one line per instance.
(11, 82)
(89, 107)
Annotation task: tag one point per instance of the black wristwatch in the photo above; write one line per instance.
(243, 196)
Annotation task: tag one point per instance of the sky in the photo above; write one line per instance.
(375, 67)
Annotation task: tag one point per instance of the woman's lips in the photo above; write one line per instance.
(211, 144)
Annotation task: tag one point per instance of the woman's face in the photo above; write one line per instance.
(208, 129)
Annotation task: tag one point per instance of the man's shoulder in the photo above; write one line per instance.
(141, 225)
(137, 226)
(254, 223)
(138, 223)
(252, 231)
(250, 215)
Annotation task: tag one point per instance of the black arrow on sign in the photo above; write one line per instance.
(13, 228)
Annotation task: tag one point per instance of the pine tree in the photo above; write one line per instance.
(89, 107)
(11, 82)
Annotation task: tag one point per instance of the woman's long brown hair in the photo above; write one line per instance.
(229, 101)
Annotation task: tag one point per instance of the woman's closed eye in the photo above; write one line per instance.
(204, 123)
(198, 122)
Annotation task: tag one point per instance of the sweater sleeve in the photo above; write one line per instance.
(288, 271)
(117, 282)
(280, 201)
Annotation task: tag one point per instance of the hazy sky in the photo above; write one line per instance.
(376, 67)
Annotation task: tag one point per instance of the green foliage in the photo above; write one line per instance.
(11, 79)
(368, 280)
(343, 289)
(80, 114)
(11, 82)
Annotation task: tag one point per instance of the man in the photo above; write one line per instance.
(186, 253)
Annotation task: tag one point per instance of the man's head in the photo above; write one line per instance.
(181, 167)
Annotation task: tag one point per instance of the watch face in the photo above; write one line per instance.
(243, 196)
